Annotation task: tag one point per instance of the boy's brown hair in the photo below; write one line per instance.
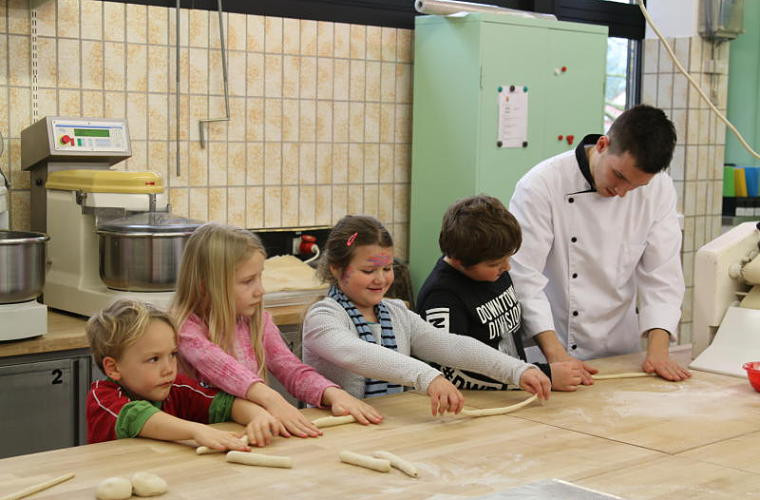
(479, 229)
(119, 325)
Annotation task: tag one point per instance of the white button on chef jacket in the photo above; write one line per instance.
(587, 261)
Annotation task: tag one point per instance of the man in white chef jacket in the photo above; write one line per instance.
(599, 267)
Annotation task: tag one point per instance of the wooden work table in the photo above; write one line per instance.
(66, 332)
(636, 438)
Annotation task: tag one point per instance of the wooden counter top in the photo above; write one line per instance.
(66, 332)
(578, 437)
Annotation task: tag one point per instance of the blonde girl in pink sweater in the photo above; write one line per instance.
(227, 341)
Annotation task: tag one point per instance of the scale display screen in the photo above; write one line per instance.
(89, 135)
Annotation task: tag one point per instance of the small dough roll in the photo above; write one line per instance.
(499, 411)
(622, 375)
(378, 464)
(205, 450)
(114, 488)
(404, 466)
(245, 458)
(147, 484)
(333, 421)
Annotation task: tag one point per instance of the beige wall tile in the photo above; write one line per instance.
(308, 87)
(254, 163)
(341, 79)
(47, 65)
(290, 206)
(18, 16)
(68, 18)
(273, 34)
(355, 199)
(255, 33)
(677, 164)
(198, 173)
(307, 120)
(199, 110)
(20, 210)
(236, 31)
(402, 158)
(198, 28)
(46, 19)
(158, 158)
(215, 79)
(198, 83)
(372, 80)
(254, 119)
(385, 165)
(217, 130)
(649, 89)
(137, 112)
(236, 73)
(213, 29)
(115, 104)
(704, 169)
(68, 64)
(236, 164)
(681, 49)
(137, 23)
(19, 178)
(158, 119)
(664, 90)
(358, 41)
(92, 104)
(236, 206)
(342, 40)
(690, 197)
(47, 102)
(370, 200)
(374, 43)
(372, 122)
(290, 76)
(307, 206)
(92, 19)
(92, 65)
(20, 115)
(324, 163)
(114, 19)
(339, 202)
(324, 78)
(385, 203)
(273, 206)
(273, 119)
(272, 163)
(158, 68)
(323, 215)
(404, 83)
(387, 122)
(178, 198)
(371, 163)
(236, 125)
(388, 82)
(340, 163)
(255, 74)
(325, 37)
(324, 121)
(701, 205)
(308, 37)
(356, 121)
(651, 55)
(158, 25)
(695, 54)
(404, 123)
(19, 60)
(273, 75)
(199, 204)
(254, 204)
(291, 36)
(388, 44)
(139, 159)
(400, 203)
(665, 63)
(114, 77)
(357, 82)
(290, 156)
(307, 168)
(184, 166)
(340, 121)
(355, 164)
(217, 164)
(405, 45)
(137, 67)
(4, 60)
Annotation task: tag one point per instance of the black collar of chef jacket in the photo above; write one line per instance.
(580, 156)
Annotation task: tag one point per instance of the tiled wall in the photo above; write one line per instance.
(321, 112)
(697, 166)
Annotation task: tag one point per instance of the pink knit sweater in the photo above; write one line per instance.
(211, 365)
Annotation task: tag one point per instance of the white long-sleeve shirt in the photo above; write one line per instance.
(332, 346)
(586, 261)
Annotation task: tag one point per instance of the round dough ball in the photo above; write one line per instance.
(114, 488)
(147, 484)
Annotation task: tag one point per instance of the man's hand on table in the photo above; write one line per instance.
(658, 358)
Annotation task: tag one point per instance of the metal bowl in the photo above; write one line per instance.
(22, 265)
(142, 253)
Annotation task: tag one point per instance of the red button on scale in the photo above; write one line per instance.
(66, 139)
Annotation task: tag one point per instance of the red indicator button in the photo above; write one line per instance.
(66, 139)
(564, 68)
(570, 139)
(560, 137)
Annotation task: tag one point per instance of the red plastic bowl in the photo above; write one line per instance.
(753, 373)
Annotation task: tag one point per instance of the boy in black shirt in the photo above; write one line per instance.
(470, 292)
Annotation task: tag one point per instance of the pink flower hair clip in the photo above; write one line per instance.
(351, 239)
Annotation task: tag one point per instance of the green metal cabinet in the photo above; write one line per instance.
(460, 64)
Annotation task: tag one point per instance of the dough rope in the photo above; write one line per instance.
(404, 466)
(31, 490)
(622, 375)
(499, 411)
(333, 421)
(245, 458)
(205, 450)
(378, 464)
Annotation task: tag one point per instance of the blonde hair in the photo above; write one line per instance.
(120, 325)
(206, 280)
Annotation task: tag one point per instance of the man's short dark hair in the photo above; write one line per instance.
(645, 133)
(479, 229)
